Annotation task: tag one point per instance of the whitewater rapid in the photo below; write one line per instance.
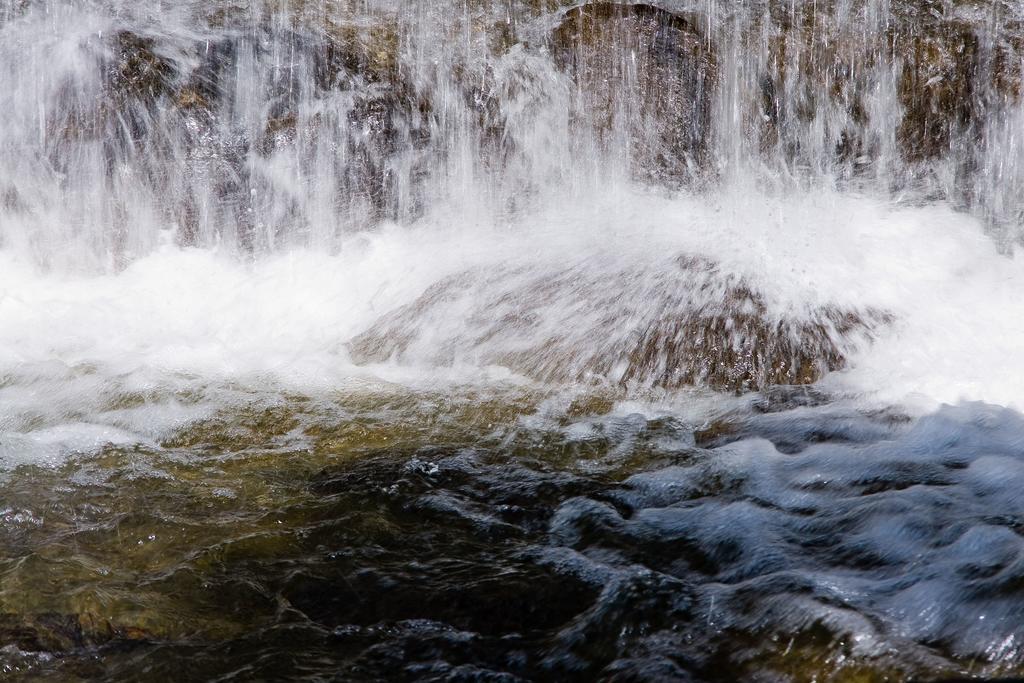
(207, 323)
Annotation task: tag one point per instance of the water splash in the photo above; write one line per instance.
(274, 190)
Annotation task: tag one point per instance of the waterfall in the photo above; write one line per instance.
(264, 126)
(511, 340)
(641, 194)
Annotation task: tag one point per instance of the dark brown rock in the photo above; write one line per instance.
(689, 324)
(137, 70)
(937, 89)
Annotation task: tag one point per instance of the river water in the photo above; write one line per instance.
(498, 340)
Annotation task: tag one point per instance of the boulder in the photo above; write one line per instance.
(688, 324)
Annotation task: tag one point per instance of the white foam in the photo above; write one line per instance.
(181, 318)
(960, 331)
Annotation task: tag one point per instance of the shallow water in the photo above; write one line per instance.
(396, 535)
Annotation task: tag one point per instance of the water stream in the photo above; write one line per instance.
(505, 340)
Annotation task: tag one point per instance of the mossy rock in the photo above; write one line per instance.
(1008, 63)
(953, 70)
(372, 51)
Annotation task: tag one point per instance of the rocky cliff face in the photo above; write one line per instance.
(261, 123)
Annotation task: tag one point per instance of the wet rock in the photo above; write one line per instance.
(1008, 64)
(334, 98)
(952, 67)
(134, 76)
(937, 89)
(703, 327)
(347, 105)
(12, 201)
(190, 98)
(279, 132)
(814, 86)
(56, 633)
(203, 87)
(740, 347)
(137, 69)
(45, 633)
(644, 73)
(373, 51)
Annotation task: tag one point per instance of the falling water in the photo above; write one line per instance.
(680, 314)
(704, 160)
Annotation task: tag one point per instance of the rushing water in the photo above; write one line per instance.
(501, 340)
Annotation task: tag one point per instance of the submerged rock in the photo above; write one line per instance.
(698, 326)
